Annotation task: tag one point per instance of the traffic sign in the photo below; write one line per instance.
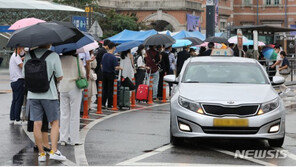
(79, 22)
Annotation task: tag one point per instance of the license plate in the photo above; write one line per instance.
(231, 122)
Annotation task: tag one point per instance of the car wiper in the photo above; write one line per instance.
(229, 82)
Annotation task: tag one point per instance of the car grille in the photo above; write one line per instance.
(230, 130)
(233, 110)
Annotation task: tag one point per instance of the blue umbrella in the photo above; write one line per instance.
(181, 43)
(127, 45)
(87, 39)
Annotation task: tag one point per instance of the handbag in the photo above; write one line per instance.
(286, 71)
(81, 83)
(128, 83)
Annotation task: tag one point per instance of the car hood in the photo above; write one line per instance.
(234, 94)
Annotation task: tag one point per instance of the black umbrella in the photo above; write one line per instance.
(40, 34)
(159, 39)
(74, 39)
(195, 41)
(217, 40)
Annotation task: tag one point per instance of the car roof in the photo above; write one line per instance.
(226, 59)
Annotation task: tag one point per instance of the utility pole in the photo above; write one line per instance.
(210, 18)
(257, 12)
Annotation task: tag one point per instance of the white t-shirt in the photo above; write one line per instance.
(14, 70)
(140, 62)
(84, 57)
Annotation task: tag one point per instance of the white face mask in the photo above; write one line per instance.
(22, 53)
(143, 52)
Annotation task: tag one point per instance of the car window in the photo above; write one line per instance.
(242, 73)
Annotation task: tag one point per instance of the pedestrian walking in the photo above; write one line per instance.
(152, 61)
(44, 97)
(109, 64)
(181, 58)
(70, 98)
(17, 85)
(140, 65)
(127, 64)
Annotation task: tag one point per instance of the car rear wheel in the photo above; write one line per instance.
(276, 142)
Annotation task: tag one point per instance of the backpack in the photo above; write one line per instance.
(136, 57)
(36, 78)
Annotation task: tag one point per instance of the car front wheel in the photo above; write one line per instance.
(176, 141)
(276, 142)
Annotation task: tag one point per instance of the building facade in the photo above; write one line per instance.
(230, 12)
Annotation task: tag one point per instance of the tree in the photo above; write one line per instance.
(75, 3)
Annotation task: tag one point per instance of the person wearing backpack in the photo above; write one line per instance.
(40, 67)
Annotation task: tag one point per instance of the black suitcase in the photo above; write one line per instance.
(124, 97)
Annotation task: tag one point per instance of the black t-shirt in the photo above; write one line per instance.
(99, 58)
(285, 62)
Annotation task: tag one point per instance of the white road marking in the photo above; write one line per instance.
(146, 155)
(88, 119)
(245, 158)
(177, 164)
(80, 151)
(67, 162)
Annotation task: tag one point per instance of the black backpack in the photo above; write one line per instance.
(36, 78)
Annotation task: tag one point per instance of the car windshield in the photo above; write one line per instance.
(219, 72)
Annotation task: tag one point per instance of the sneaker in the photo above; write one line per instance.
(18, 123)
(76, 144)
(11, 122)
(57, 156)
(42, 157)
(47, 150)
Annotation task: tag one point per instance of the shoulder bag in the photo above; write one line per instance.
(81, 83)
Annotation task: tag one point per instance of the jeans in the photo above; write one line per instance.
(18, 92)
(155, 80)
(108, 84)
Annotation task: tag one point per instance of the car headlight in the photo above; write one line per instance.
(190, 105)
(269, 106)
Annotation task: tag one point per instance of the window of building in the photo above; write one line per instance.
(268, 2)
(276, 2)
(247, 2)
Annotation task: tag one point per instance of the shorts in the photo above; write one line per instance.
(39, 106)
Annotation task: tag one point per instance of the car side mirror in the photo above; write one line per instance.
(170, 79)
(277, 80)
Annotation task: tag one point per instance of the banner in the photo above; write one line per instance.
(293, 32)
(192, 22)
(79, 22)
(217, 13)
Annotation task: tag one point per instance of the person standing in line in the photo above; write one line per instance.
(140, 65)
(209, 51)
(181, 58)
(164, 70)
(70, 97)
(152, 61)
(92, 86)
(46, 102)
(109, 64)
(172, 60)
(17, 85)
(99, 55)
(127, 64)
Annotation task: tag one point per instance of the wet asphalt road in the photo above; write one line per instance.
(139, 137)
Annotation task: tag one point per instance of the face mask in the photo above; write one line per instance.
(22, 53)
(143, 52)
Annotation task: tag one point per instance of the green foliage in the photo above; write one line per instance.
(75, 3)
(114, 23)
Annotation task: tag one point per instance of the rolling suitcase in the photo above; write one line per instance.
(124, 97)
(143, 90)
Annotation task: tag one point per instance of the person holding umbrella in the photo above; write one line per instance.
(42, 91)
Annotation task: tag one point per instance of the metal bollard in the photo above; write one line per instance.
(115, 96)
(150, 94)
(85, 104)
(164, 92)
(133, 97)
(100, 92)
